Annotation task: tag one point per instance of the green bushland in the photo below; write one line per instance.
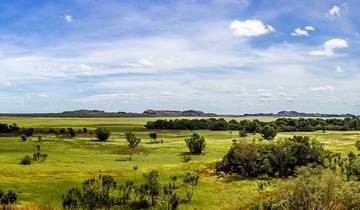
(256, 126)
(71, 160)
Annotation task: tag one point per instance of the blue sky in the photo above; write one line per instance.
(223, 56)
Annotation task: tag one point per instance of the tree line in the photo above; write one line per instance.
(255, 126)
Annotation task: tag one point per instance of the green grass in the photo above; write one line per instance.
(72, 160)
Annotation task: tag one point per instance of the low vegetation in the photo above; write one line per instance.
(105, 193)
(275, 159)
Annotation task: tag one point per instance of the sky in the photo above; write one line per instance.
(221, 56)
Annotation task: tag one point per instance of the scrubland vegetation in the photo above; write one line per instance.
(117, 163)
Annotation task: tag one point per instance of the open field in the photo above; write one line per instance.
(71, 160)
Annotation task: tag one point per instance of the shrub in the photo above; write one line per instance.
(277, 159)
(357, 145)
(153, 136)
(26, 160)
(190, 182)
(243, 133)
(268, 132)
(7, 199)
(102, 134)
(71, 132)
(196, 144)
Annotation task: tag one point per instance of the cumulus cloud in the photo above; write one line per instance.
(310, 28)
(334, 11)
(300, 32)
(322, 88)
(249, 28)
(68, 18)
(330, 46)
(303, 32)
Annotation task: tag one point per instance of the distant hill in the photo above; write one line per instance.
(151, 112)
(171, 113)
(299, 114)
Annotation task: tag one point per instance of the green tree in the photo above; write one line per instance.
(133, 142)
(153, 136)
(102, 134)
(196, 144)
(268, 132)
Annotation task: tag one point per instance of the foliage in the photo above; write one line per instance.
(38, 156)
(315, 189)
(153, 136)
(23, 137)
(253, 126)
(276, 159)
(190, 182)
(102, 134)
(196, 144)
(71, 132)
(26, 160)
(268, 132)
(133, 142)
(7, 199)
(350, 195)
(357, 145)
(105, 193)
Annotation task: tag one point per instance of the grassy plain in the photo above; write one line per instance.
(71, 160)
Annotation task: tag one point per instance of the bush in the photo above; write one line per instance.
(277, 159)
(268, 132)
(196, 144)
(102, 134)
(357, 145)
(105, 193)
(71, 132)
(243, 133)
(26, 160)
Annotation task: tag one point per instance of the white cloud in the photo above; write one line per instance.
(145, 63)
(322, 88)
(68, 18)
(339, 69)
(300, 32)
(249, 28)
(334, 11)
(310, 28)
(330, 46)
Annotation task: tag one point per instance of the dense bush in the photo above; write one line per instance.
(276, 159)
(26, 160)
(254, 126)
(7, 199)
(357, 145)
(196, 144)
(102, 134)
(314, 189)
(105, 193)
(268, 132)
(154, 137)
